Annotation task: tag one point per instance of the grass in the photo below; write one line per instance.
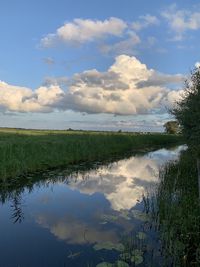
(179, 211)
(24, 151)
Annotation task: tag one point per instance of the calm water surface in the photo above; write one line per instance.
(85, 218)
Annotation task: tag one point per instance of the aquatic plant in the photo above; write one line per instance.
(179, 211)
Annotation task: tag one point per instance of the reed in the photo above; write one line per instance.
(24, 151)
(179, 211)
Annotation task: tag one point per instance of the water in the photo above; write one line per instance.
(83, 218)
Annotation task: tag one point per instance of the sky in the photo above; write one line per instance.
(99, 65)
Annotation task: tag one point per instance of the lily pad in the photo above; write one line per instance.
(109, 218)
(137, 257)
(141, 235)
(121, 264)
(104, 264)
(125, 256)
(137, 252)
(109, 246)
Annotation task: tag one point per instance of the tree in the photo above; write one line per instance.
(187, 113)
(172, 127)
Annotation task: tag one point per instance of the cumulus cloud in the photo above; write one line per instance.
(127, 87)
(22, 99)
(88, 95)
(61, 81)
(160, 79)
(85, 30)
(126, 46)
(181, 21)
(144, 22)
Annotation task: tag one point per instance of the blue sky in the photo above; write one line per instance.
(94, 64)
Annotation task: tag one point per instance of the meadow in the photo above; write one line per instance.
(25, 151)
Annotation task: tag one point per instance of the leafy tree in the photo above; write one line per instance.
(172, 127)
(187, 111)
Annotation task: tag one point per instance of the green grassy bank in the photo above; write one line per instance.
(24, 151)
(179, 211)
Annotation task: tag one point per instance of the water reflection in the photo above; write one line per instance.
(123, 183)
(69, 213)
(17, 212)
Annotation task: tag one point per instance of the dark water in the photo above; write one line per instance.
(84, 218)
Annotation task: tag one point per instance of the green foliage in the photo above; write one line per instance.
(109, 246)
(179, 211)
(24, 151)
(172, 127)
(187, 111)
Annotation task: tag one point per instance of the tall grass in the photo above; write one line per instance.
(179, 211)
(24, 151)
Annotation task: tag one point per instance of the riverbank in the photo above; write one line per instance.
(178, 211)
(24, 151)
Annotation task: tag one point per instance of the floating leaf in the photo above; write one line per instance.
(137, 256)
(104, 264)
(125, 256)
(109, 218)
(121, 264)
(137, 252)
(109, 246)
(137, 259)
(141, 235)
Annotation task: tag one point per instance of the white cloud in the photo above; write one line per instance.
(85, 30)
(181, 21)
(74, 231)
(93, 92)
(22, 99)
(124, 182)
(144, 22)
(128, 87)
(49, 61)
(126, 46)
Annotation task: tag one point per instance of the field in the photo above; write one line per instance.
(24, 151)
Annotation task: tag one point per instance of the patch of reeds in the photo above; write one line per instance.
(24, 151)
(178, 207)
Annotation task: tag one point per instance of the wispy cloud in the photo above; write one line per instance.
(49, 61)
(126, 46)
(144, 22)
(181, 20)
(123, 34)
(85, 30)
